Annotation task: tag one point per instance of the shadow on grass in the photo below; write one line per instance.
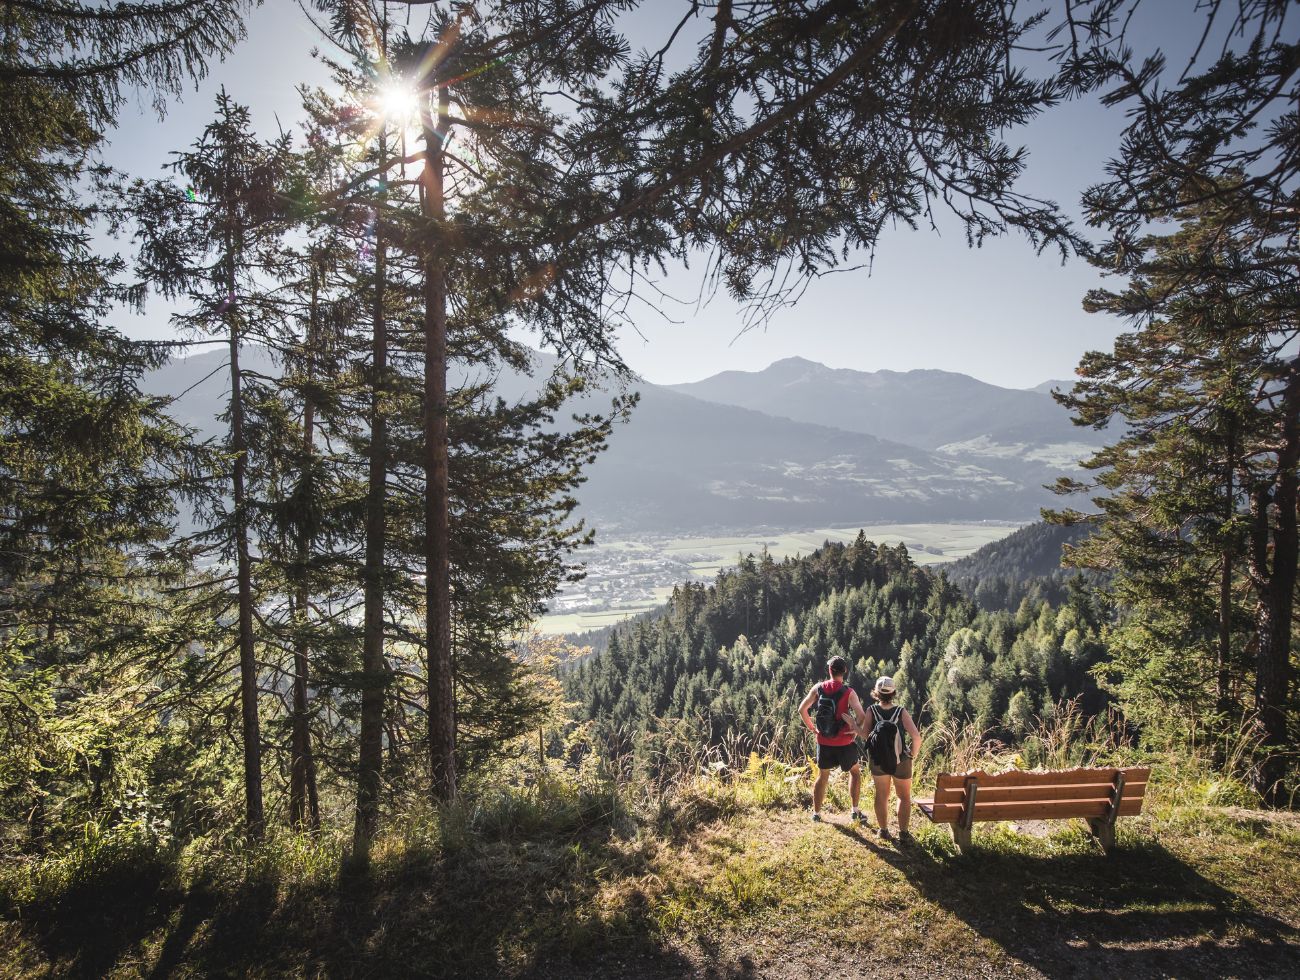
(1141, 911)
(523, 907)
(90, 924)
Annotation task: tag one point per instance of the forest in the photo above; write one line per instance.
(734, 659)
(300, 652)
(1026, 563)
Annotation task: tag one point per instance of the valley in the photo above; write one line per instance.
(636, 573)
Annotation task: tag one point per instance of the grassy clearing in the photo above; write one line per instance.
(725, 878)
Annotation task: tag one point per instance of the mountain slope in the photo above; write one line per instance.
(685, 462)
(1052, 384)
(681, 463)
(1033, 551)
(931, 409)
(1026, 563)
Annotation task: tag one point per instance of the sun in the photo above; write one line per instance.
(398, 103)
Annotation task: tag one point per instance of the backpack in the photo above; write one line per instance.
(827, 713)
(885, 743)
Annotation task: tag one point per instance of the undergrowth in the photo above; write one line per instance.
(557, 866)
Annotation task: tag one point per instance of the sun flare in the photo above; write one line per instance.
(398, 103)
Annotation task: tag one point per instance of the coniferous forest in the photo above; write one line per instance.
(273, 702)
(734, 658)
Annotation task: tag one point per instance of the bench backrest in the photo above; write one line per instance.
(1020, 795)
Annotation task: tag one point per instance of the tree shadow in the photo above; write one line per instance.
(518, 908)
(1141, 910)
(92, 922)
(197, 906)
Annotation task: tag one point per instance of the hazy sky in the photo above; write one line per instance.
(1000, 313)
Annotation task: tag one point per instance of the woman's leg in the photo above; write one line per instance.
(903, 787)
(882, 800)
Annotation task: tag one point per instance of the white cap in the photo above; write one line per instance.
(884, 685)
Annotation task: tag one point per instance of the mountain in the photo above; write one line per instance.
(683, 463)
(735, 657)
(1035, 550)
(1048, 386)
(950, 413)
(200, 385)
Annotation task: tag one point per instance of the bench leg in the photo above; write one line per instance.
(1103, 828)
(1104, 831)
(961, 835)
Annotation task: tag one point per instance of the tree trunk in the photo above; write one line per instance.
(243, 571)
(1224, 698)
(371, 760)
(442, 704)
(304, 804)
(1273, 621)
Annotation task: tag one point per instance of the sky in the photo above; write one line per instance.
(1000, 313)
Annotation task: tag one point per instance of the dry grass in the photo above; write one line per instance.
(720, 874)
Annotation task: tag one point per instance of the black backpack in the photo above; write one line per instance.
(885, 743)
(827, 711)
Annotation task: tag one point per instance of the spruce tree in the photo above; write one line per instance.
(1203, 482)
(88, 465)
(665, 164)
(214, 244)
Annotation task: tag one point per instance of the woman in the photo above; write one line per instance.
(884, 711)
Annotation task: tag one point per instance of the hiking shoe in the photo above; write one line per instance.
(905, 837)
(857, 816)
(884, 834)
(816, 817)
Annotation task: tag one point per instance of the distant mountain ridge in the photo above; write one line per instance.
(936, 410)
(683, 463)
(1052, 384)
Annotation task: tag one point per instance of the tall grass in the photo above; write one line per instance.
(661, 783)
(1061, 739)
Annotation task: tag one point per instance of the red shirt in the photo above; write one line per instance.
(847, 736)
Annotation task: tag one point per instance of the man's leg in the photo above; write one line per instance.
(903, 787)
(855, 785)
(882, 801)
(819, 789)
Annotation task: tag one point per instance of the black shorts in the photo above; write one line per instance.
(844, 756)
(904, 770)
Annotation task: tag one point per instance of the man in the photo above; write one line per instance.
(835, 736)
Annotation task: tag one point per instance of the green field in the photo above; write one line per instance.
(581, 622)
(954, 540)
(707, 555)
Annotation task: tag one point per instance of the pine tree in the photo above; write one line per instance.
(88, 465)
(212, 244)
(1206, 473)
(666, 166)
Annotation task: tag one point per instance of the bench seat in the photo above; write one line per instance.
(1098, 795)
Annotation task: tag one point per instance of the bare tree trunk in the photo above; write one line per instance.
(442, 699)
(371, 760)
(304, 804)
(1224, 700)
(1273, 624)
(247, 659)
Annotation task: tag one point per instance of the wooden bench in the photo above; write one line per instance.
(1100, 796)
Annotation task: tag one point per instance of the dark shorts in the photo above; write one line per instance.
(904, 770)
(844, 756)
